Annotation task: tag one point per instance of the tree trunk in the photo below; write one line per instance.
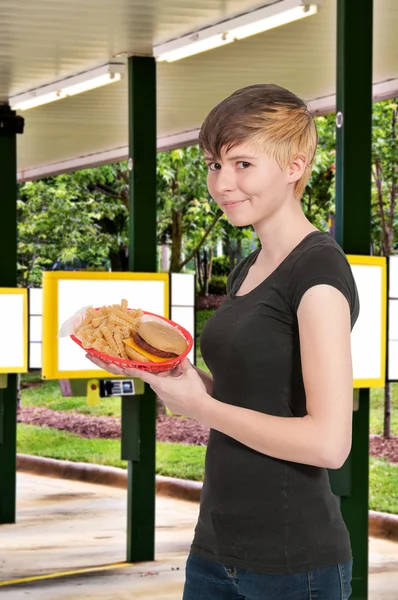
(208, 269)
(119, 260)
(199, 271)
(176, 242)
(19, 404)
(165, 257)
(205, 273)
(202, 241)
(387, 411)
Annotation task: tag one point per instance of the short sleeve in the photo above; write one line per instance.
(323, 264)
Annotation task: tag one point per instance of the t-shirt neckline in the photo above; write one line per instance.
(242, 275)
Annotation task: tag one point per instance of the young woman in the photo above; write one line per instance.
(279, 399)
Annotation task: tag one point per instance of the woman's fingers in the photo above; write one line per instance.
(115, 370)
(112, 368)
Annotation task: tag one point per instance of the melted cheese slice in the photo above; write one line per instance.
(157, 359)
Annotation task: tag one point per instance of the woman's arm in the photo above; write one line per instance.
(323, 437)
(206, 378)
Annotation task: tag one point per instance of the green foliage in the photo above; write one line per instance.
(384, 219)
(218, 284)
(78, 219)
(185, 209)
(221, 265)
(318, 197)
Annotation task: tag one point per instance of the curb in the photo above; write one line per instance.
(383, 525)
(113, 476)
(380, 524)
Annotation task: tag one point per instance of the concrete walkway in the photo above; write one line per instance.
(67, 525)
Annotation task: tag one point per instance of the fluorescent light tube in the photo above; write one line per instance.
(37, 100)
(91, 84)
(260, 20)
(283, 18)
(70, 86)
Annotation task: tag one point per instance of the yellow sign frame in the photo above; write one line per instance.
(50, 307)
(372, 261)
(24, 293)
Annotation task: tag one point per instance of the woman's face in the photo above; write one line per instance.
(248, 185)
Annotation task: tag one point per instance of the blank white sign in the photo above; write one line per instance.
(393, 320)
(35, 355)
(74, 294)
(35, 329)
(35, 301)
(12, 345)
(366, 337)
(182, 289)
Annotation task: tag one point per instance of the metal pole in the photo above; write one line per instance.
(353, 210)
(142, 258)
(10, 126)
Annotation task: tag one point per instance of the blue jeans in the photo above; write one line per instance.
(207, 580)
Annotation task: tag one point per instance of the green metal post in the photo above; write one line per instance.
(353, 208)
(142, 258)
(10, 125)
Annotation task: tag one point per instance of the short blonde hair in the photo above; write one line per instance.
(268, 115)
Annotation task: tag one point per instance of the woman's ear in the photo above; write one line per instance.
(297, 167)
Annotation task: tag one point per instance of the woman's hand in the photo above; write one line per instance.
(182, 389)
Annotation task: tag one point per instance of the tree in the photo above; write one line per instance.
(384, 199)
(77, 219)
(318, 197)
(384, 177)
(187, 216)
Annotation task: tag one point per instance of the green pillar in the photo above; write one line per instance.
(10, 125)
(353, 208)
(142, 258)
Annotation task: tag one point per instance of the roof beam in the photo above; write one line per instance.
(320, 106)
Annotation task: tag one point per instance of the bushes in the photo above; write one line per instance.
(218, 284)
(220, 265)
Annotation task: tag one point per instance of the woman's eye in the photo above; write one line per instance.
(214, 166)
(244, 164)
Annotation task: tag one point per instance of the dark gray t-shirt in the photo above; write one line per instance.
(257, 512)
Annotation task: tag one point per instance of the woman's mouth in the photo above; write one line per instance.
(232, 203)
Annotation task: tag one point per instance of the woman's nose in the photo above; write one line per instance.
(225, 181)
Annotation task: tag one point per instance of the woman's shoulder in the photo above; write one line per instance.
(321, 260)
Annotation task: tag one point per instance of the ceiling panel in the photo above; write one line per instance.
(44, 40)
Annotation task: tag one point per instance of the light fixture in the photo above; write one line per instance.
(257, 21)
(70, 86)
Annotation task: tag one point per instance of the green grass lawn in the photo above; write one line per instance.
(49, 395)
(383, 486)
(172, 460)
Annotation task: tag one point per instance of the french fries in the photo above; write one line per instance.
(106, 328)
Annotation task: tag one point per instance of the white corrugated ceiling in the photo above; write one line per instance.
(45, 40)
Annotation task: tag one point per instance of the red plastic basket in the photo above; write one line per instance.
(132, 364)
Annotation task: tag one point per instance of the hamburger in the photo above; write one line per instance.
(155, 342)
